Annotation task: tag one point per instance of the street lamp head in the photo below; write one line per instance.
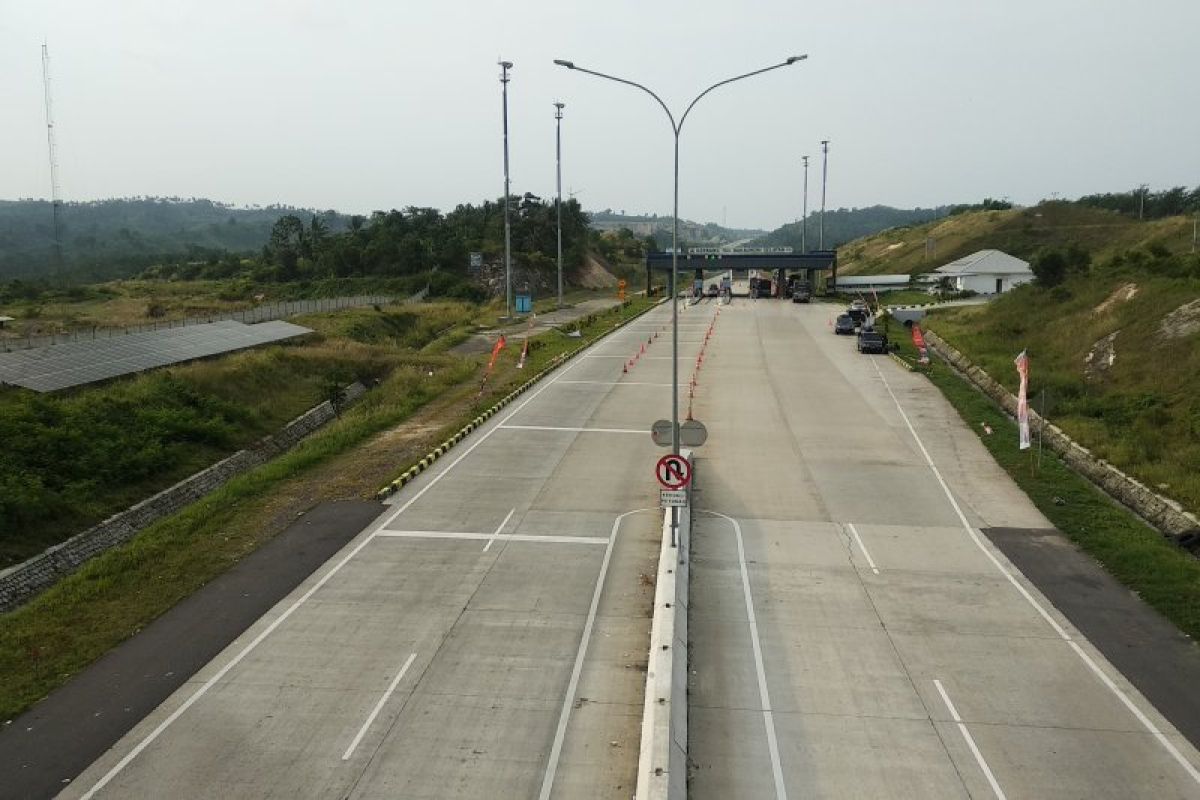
(559, 106)
(794, 59)
(564, 63)
(506, 64)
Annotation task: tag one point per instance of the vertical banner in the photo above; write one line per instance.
(491, 363)
(919, 343)
(1022, 362)
(524, 352)
(496, 352)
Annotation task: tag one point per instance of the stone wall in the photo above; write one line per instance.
(1163, 513)
(20, 583)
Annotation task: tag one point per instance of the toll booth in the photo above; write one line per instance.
(819, 267)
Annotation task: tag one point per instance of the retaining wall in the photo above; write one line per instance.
(1168, 516)
(20, 583)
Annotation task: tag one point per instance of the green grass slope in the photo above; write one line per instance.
(1141, 413)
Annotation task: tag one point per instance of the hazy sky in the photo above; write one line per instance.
(365, 105)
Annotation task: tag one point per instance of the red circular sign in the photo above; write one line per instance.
(673, 472)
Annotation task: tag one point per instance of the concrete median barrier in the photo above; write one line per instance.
(662, 758)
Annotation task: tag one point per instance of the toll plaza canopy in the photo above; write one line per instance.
(766, 259)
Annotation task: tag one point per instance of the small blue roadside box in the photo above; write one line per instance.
(524, 303)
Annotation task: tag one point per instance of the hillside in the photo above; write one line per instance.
(135, 231)
(846, 224)
(1116, 348)
(1021, 232)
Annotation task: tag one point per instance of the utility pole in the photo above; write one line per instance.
(824, 178)
(505, 66)
(558, 115)
(55, 199)
(804, 213)
(1142, 201)
(1195, 222)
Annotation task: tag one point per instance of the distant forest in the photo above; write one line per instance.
(109, 238)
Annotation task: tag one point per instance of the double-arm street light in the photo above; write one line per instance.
(675, 129)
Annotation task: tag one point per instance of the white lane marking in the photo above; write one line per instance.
(570, 430)
(503, 537)
(615, 383)
(378, 707)
(1091, 664)
(983, 765)
(764, 697)
(257, 640)
(573, 684)
(862, 547)
(492, 538)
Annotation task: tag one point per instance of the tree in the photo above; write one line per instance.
(1049, 267)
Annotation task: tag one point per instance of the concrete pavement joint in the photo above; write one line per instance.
(1120, 694)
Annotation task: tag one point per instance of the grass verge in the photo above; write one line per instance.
(116, 594)
(1163, 575)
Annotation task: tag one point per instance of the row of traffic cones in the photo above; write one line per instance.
(700, 361)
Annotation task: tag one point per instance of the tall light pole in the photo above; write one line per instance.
(676, 127)
(824, 177)
(505, 66)
(558, 115)
(804, 214)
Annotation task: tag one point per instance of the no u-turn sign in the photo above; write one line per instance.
(673, 472)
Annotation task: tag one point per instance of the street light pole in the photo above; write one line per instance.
(505, 66)
(558, 115)
(804, 214)
(676, 127)
(824, 176)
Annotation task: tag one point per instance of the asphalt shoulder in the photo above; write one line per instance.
(1154, 655)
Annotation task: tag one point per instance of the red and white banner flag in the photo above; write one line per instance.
(524, 352)
(496, 352)
(1022, 363)
(919, 343)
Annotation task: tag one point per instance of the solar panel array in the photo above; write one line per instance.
(61, 366)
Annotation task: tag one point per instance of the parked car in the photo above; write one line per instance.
(859, 314)
(871, 341)
(844, 325)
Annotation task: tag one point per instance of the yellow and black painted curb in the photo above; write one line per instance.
(425, 463)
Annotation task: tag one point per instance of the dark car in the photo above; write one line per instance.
(871, 341)
(713, 290)
(801, 292)
(844, 325)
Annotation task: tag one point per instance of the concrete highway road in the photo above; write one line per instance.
(485, 637)
(853, 634)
